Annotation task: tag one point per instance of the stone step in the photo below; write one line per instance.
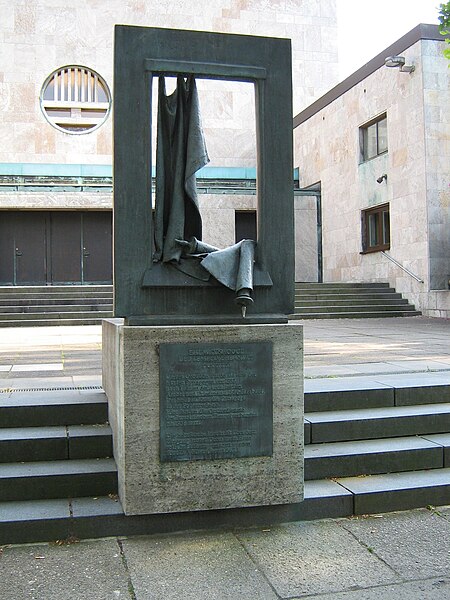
(70, 301)
(27, 444)
(372, 457)
(350, 301)
(50, 290)
(62, 314)
(64, 309)
(44, 322)
(40, 408)
(339, 285)
(348, 496)
(87, 517)
(57, 479)
(354, 315)
(346, 296)
(372, 423)
(61, 296)
(344, 393)
(361, 308)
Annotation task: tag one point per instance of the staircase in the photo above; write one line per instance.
(367, 451)
(349, 300)
(55, 305)
(55, 448)
(375, 450)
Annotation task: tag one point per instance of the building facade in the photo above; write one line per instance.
(56, 65)
(377, 146)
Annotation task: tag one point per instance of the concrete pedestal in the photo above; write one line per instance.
(131, 379)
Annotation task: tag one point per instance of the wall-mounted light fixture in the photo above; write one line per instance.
(399, 63)
(382, 178)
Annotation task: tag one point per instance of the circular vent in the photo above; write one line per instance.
(75, 99)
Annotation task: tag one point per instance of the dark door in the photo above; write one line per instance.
(30, 242)
(65, 247)
(245, 225)
(7, 249)
(97, 247)
(55, 247)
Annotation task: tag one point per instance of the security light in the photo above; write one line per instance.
(398, 62)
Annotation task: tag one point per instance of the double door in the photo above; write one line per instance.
(60, 247)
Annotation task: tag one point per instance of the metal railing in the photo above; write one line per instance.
(410, 273)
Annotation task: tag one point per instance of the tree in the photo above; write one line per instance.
(444, 25)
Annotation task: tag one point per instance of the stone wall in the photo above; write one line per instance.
(40, 36)
(437, 143)
(327, 149)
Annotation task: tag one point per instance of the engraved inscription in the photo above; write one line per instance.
(215, 401)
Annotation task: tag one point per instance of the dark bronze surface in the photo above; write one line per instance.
(141, 54)
(215, 401)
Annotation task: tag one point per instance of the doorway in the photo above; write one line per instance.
(55, 247)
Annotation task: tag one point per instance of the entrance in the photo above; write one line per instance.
(45, 248)
(308, 235)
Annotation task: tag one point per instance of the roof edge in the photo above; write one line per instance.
(422, 31)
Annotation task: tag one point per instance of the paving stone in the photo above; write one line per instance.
(313, 558)
(419, 388)
(415, 544)
(33, 443)
(28, 521)
(442, 439)
(89, 441)
(398, 491)
(194, 566)
(323, 499)
(378, 422)
(57, 479)
(431, 589)
(74, 572)
(367, 457)
(36, 367)
(332, 394)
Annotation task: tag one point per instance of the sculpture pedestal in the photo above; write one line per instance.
(205, 417)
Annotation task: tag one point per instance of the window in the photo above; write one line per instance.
(75, 99)
(373, 138)
(376, 229)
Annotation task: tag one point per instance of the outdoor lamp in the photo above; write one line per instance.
(399, 62)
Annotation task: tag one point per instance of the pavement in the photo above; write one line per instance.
(404, 555)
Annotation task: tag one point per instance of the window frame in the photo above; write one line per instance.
(80, 115)
(363, 136)
(383, 240)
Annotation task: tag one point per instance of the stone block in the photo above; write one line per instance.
(348, 459)
(131, 375)
(399, 491)
(22, 522)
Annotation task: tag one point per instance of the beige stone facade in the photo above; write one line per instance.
(39, 36)
(417, 165)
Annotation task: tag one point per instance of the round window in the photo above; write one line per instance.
(75, 99)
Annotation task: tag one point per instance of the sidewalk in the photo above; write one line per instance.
(400, 555)
(397, 555)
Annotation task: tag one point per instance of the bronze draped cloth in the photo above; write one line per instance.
(180, 153)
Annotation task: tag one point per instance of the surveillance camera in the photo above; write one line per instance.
(382, 178)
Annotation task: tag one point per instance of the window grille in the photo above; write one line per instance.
(75, 99)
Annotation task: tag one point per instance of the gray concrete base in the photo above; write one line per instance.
(131, 381)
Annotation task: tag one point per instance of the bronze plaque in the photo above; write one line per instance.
(215, 401)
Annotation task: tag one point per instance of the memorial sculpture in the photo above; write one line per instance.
(206, 407)
(180, 153)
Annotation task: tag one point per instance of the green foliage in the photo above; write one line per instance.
(444, 25)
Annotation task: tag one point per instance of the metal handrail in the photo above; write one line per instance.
(402, 267)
